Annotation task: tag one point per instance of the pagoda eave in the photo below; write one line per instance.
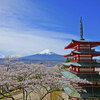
(82, 42)
(75, 64)
(70, 75)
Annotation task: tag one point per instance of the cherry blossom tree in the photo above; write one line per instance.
(17, 75)
(30, 78)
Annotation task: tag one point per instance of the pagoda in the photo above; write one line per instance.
(83, 66)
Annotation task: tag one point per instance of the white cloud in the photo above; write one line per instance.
(21, 14)
(24, 43)
(20, 31)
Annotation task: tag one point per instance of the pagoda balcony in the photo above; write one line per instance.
(84, 50)
(87, 50)
(93, 84)
(83, 72)
(84, 60)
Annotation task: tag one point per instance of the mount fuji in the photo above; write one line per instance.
(45, 57)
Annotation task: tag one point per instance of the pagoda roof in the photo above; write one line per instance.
(92, 92)
(76, 42)
(81, 64)
(90, 77)
(94, 53)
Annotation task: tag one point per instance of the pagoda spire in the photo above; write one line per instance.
(81, 29)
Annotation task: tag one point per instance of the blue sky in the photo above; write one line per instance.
(30, 26)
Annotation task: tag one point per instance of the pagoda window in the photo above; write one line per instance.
(76, 47)
(75, 57)
(77, 69)
(73, 68)
(70, 67)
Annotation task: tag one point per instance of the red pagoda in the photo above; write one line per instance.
(83, 66)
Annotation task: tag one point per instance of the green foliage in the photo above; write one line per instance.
(63, 67)
(69, 59)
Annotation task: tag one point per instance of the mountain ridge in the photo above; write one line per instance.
(44, 56)
(48, 58)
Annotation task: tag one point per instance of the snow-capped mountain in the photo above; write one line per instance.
(46, 51)
(44, 55)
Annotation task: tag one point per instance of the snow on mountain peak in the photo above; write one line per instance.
(46, 51)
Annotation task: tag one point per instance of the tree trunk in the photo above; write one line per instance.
(44, 96)
(12, 98)
(26, 96)
(23, 94)
(51, 95)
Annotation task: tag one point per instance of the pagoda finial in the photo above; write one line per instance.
(81, 29)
